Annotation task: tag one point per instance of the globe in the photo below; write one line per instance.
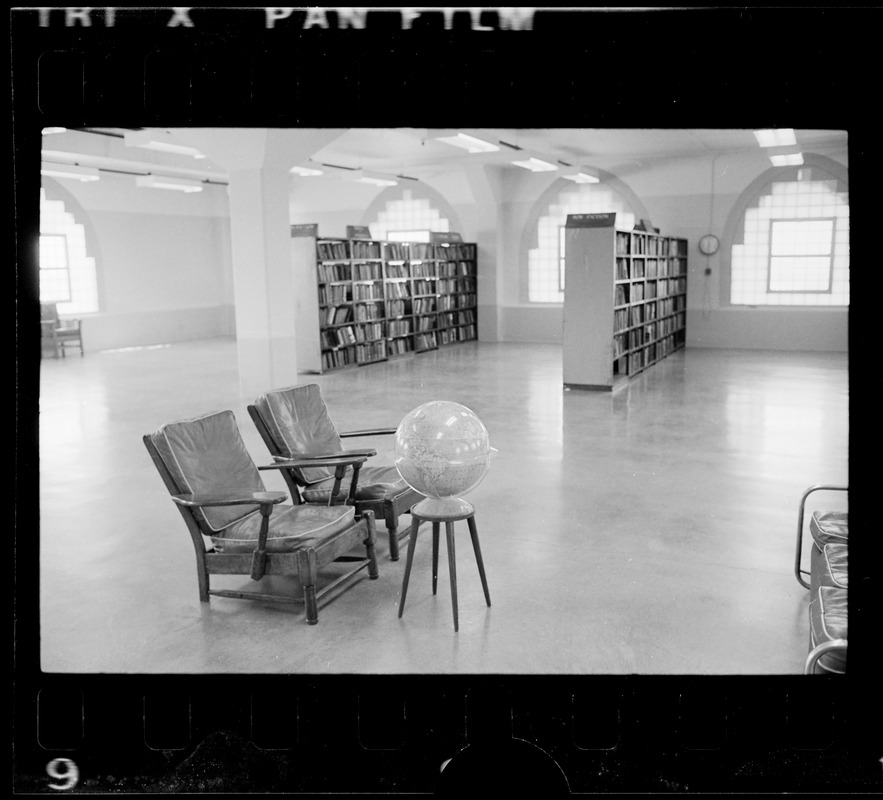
(442, 451)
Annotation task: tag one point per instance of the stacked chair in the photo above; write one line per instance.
(295, 424)
(828, 582)
(222, 497)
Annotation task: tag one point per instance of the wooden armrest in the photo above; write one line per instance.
(370, 432)
(318, 461)
(230, 497)
(356, 452)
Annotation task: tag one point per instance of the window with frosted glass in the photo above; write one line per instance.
(67, 272)
(409, 214)
(55, 285)
(800, 255)
(794, 246)
(545, 262)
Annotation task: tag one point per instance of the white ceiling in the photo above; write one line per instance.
(415, 153)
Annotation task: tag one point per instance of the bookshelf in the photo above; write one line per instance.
(379, 299)
(625, 301)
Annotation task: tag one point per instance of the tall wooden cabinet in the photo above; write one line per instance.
(625, 301)
(374, 300)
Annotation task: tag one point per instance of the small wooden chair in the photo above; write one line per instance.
(294, 423)
(57, 334)
(221, 496)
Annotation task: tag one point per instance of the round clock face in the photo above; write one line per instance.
(709, 244)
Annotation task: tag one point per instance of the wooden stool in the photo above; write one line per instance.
(436, 516)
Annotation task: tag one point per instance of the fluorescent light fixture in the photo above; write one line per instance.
(305, 172)
(158, 140)
(164, 182)
(535, 164)
(373, 178)
(472, 144)
(47, 131)
(787, 160)
(578, 175)
(74, 171)
(775, 137)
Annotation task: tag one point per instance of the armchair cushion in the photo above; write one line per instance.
(205, 455)
(291, 528)
(375, 483)
(297, 417)
(830, 566)
(829, 527)
(828, 616)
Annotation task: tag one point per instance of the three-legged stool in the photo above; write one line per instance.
(436, 516)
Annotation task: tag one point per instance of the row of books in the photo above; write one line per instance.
(342, 249)
(451, 285)
(332, 250)
(638, 243)
(458, 251)
(398, 271)
(334, 293)
(352, 334)
(399, 346)
(369, 311)
(450, 318)
(365, 249)
(367, 291)
(398, 289)
(334, 359)
(423, 287)
(381, 349)
(453, 268)
(450, 301)
(657, 267)
(422, 269)
(363, 271)
(399, 327)
(335, 272)
(423, 305)
(425, 341)
(337, 315)
(371, 351)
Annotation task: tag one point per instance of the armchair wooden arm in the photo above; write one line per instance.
(368, 432)
(266, 500)
(232, 497)
(340, 464)
(312, 459)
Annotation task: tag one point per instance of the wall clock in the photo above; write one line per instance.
(709, 244)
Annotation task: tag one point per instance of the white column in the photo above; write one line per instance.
(257, 161)
(263, 281)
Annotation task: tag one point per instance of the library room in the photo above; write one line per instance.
(613, 362)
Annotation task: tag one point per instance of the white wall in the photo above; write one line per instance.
(163, 261)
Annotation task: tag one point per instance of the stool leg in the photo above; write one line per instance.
(435, 532)
(473, 532)
(415, 524)
(452, 568)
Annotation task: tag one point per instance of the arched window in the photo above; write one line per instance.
(67, 272)
(408, 219)
(545, 262)
(791, 246)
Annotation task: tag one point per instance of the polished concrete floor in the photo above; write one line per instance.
(645, 531)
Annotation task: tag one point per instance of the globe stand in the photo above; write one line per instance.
(448, 510)
(444, 507)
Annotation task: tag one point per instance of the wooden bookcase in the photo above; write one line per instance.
(378, 299)
(625, 301)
